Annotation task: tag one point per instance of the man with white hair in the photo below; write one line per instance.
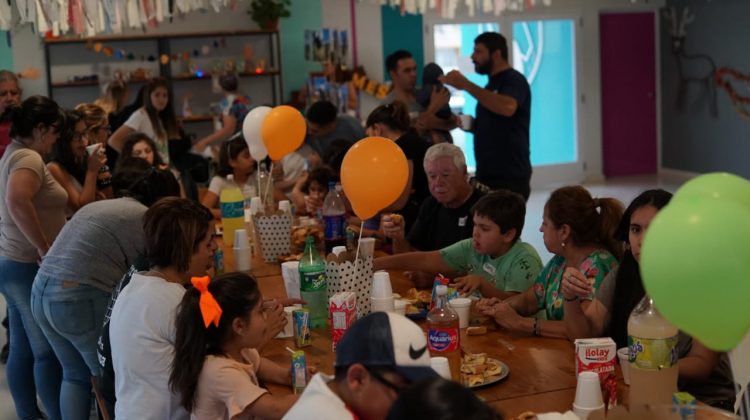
(444, 217)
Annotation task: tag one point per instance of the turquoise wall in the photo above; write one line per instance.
(402, 33)
(305, 14)
(6, 55)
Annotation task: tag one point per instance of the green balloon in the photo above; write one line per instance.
(717, 185)
(695, 263)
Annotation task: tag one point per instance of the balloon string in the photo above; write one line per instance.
(268, 186)
(359, 241)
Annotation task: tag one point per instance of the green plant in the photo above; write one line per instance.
(267, 12)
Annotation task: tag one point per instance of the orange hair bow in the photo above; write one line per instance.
(210, 308)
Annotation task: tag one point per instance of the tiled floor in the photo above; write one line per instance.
(624, 189)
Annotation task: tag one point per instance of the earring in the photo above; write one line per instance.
(563, 244)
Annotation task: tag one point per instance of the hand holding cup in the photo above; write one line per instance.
(393, 226)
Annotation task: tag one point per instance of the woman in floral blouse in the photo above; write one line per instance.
(579, 230)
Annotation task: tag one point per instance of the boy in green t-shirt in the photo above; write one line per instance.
(494, 261)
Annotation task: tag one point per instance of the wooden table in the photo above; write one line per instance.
(542, 370)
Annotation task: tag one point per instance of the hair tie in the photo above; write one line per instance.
(210, 308)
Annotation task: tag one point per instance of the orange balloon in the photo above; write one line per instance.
(283, 131)
(374, 173)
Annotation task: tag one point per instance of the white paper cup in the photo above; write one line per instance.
(240, 239)
(440, 365)
(288, 330)
(400, 306)
(255, 205)
(290, 274)
(588, 393)
(462, 306)
(366, 247)
(623, 354)
(382, 304)
(242, 260)
(92, 148)
(285, 206)
(381, 285)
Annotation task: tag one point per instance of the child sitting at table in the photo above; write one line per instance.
(216, 367)
(234, 159)
(495, 262)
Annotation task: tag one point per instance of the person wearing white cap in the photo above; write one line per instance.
(378, 356)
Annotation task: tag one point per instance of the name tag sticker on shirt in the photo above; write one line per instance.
(489, 268)
(462, 221)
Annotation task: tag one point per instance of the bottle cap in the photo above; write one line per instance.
(441, 290)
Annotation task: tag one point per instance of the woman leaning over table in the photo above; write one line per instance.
(72, 288)
(32, 212)
(704, 373)
(579, 230)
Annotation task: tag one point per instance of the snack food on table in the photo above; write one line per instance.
(290, 257)
(476, 330)
(418, 300)
(299, 234)
(477, 369)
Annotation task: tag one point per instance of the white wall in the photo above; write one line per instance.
(586, 12)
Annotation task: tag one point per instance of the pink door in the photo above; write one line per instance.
(628, 74)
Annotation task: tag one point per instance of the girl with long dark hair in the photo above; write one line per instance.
(235, 160)
(216, 368)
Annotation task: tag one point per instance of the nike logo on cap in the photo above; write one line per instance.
(416, 354)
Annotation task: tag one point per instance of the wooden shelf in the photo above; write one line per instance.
(137, 37)
(84, 83)
(245, 74)
(196, 118)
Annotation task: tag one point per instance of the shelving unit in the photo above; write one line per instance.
(69, 57)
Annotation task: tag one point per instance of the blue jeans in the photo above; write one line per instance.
(32, 365)
(71, 315)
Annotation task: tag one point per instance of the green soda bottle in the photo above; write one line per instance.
(312, 274)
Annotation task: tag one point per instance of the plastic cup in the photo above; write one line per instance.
(462, 306)
(623, 354)
(93, 148)
(588, 395)
(240, 239)
(440, 365)
(290, 274)
(382, 304)
(381, 285)
(285, 206)
(400, 306)
(255, 205)
(366, 247)
(288, 330)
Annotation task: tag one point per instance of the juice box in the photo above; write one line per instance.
(299, 371)
(301, 324)
(599, 355)
(343, 309)
(684, 404)
(442, 280)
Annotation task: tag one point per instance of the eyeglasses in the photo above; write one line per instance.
(378, 375)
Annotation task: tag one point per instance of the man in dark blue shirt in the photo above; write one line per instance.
(501, 127)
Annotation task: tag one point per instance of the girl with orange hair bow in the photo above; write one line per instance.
(216, 367)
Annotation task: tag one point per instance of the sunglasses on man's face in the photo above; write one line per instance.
(379, 376)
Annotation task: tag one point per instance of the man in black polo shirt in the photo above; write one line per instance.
(501, 127)
(445, 216)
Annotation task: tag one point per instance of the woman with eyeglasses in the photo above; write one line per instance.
(73, 168)
(32, 210)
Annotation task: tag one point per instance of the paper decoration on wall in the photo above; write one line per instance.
(741, 103)
(448, 9)
(326, 45)
(692, 68)
(369, 86)
(91, 18)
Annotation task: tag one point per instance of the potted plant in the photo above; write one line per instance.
(266, 13)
